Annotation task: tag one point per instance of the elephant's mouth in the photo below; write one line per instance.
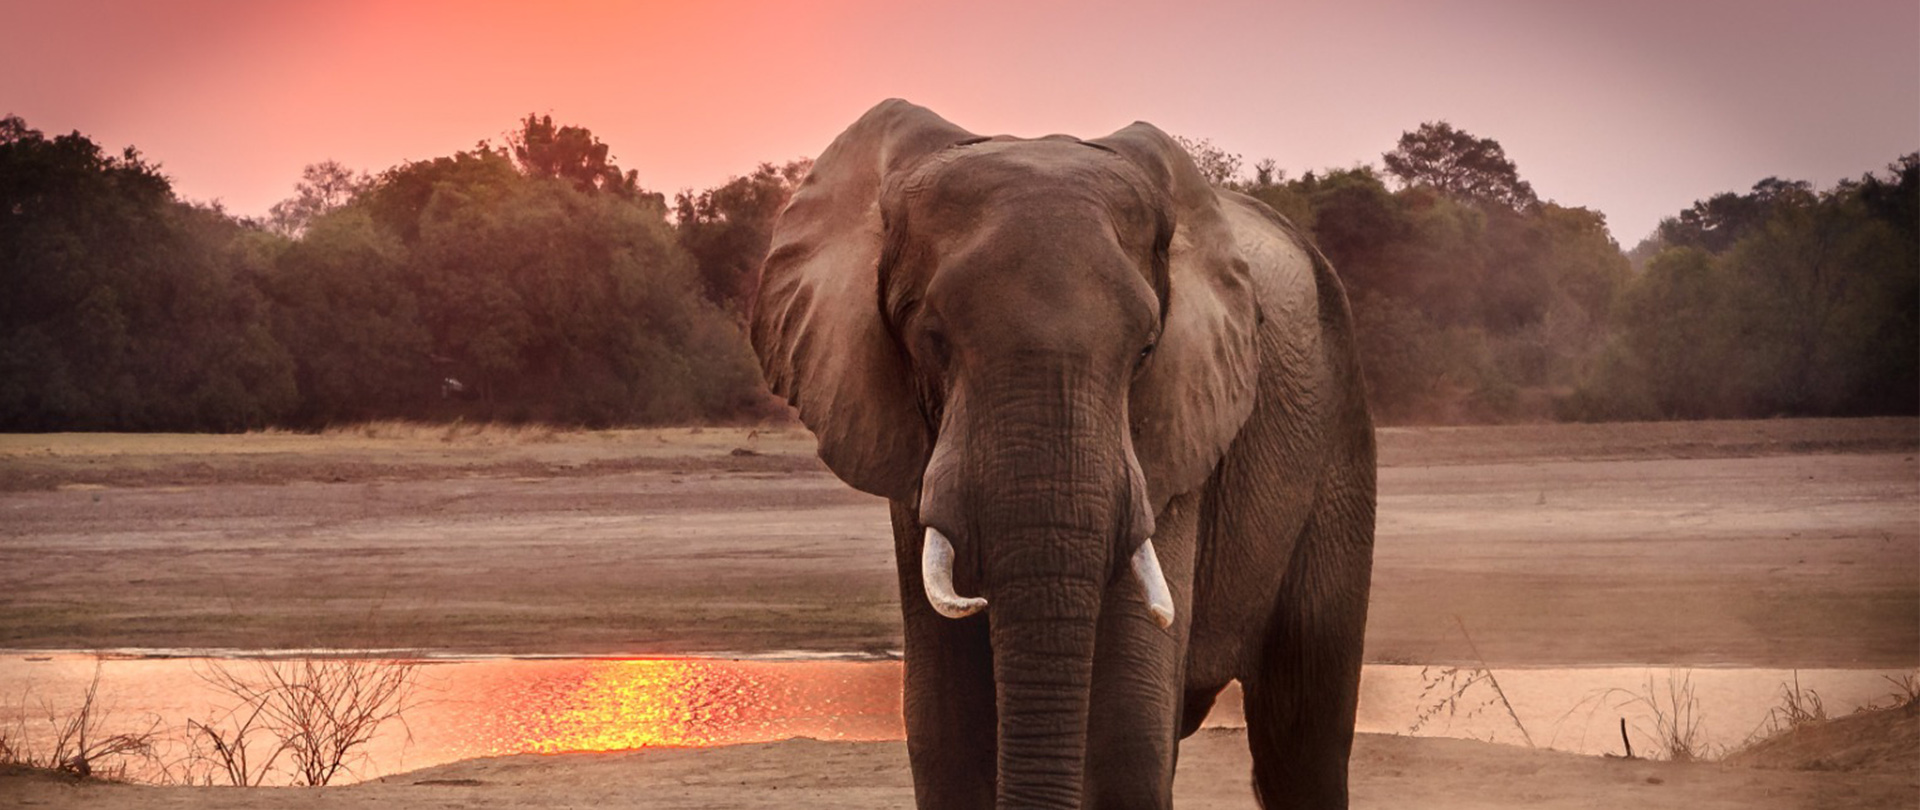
(936, 575)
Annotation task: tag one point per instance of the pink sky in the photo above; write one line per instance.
(1635, 108)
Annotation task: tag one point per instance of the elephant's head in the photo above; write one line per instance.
(1036, 343)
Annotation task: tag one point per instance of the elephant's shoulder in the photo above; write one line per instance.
(1308, 342)
(1278, 256)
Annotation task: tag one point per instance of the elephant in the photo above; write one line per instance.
(1119, 419)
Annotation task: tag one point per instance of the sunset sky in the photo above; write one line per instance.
(1635, 107)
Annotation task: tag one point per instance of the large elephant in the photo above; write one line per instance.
(1120, 421)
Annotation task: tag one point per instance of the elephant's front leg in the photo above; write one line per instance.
(949, 692)
(1138, 679)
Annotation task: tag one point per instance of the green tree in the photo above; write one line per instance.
(1468, 310)
(1679, 339)
(1809, 308)
(1355, 221)
(399, 198)
(1459, 165)
(1894, 199)
(728, 228)
(1716, 223)
(1811, 293)
(1644, 252)
(556, 302)
(1891, 325)
(347, 310)
(1441, 258)
(126, 309)
(1551, 259)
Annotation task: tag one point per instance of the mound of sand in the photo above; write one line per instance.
(1885, 741)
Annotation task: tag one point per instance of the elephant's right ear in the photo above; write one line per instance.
(816, 321)
(1190, 401)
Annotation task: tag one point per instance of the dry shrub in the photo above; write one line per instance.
(299, 721)
(318, 713)
(230, 747)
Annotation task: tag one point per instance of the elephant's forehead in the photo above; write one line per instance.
(1032, 282)
(1000, 171)
(1021, 237)
(1045, 156)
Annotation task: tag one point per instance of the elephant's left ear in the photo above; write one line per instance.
(816, 320)
(1198, 389)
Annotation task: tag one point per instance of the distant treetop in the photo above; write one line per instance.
(571, 153)
(1219, 166)
(1460, 166)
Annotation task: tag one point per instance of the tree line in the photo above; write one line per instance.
(1475, 301)
(537, 280)
(530, 281)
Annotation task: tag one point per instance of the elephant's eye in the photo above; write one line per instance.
(935, 347)
(1144, 354)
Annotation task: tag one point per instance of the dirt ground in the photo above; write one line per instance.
(1778, 543)
(1787, 543)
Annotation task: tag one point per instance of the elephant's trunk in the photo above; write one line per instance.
(1053, 540)
(1043, 630)
(1045, 506)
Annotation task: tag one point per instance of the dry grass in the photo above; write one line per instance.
(1906, 691)
(1797, 707)
(1677, 731)
(481, 434)
(505, 436)
(1449, 692)
(1445, 689)
(77, 741)
(458, 432)
(388, 450)
(1794, 708)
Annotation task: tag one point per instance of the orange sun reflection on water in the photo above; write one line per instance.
(650, 703)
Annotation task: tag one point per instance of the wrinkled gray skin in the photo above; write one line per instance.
(1052, 350)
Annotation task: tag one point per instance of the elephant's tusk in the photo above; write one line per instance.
(1146, 566)
(936, 573)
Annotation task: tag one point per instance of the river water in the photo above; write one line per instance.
(477, 707)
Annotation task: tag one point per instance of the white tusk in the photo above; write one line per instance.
(1146, 566)
(936, 573)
